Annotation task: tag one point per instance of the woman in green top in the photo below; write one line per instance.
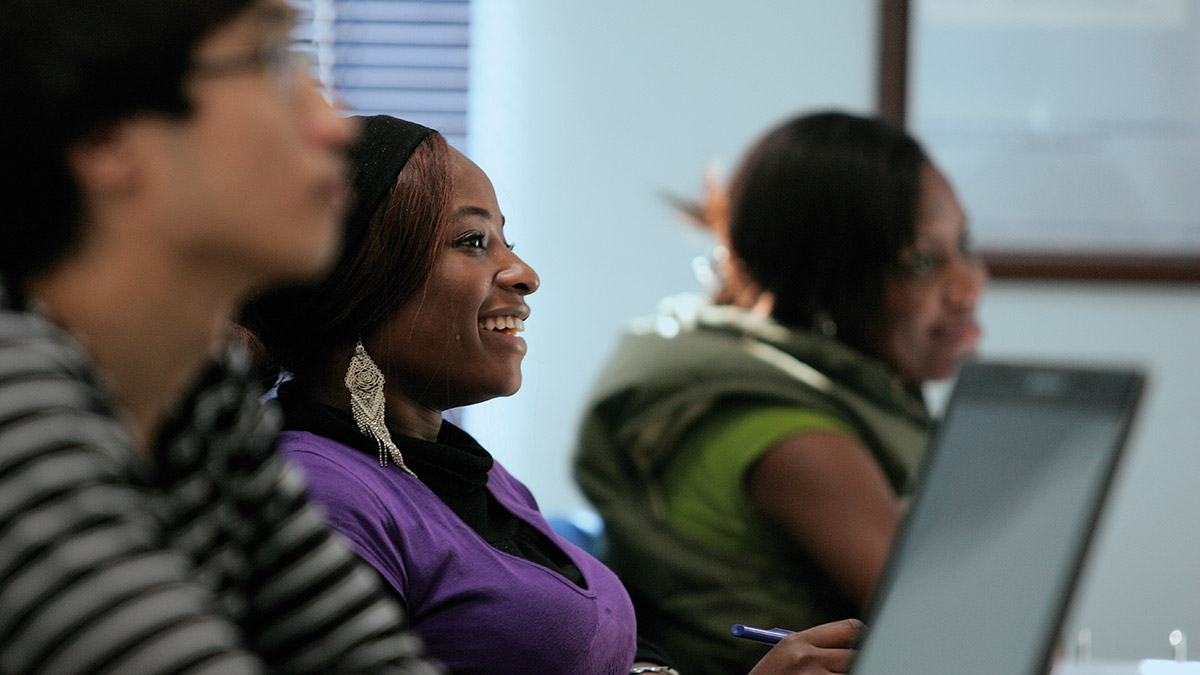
(750, 458)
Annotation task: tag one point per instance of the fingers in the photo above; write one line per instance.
(827, 660)
(842, 634)
(796, 654)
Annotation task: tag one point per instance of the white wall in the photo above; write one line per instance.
(1144, 577)
(582, 112)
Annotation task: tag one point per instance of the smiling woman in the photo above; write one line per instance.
(423, 310)
(457, 343)
(422, 313)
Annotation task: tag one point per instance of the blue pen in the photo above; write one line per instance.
(770, 636)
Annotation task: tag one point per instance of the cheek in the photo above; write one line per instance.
(289, 186)
(449, 322)
(910, 316)
(264, 152)
(917, 326)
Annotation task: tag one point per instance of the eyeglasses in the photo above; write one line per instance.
(928, 266)
(286, 66)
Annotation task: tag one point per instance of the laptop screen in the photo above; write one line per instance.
(1006, 502)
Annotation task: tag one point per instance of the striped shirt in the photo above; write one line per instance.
(209, 559)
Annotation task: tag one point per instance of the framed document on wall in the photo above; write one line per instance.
(1070, 127)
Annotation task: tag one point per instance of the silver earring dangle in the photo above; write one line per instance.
(364, 379)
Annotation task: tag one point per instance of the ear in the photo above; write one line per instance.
(104, 164)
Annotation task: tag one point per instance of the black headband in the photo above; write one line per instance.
(383, 147)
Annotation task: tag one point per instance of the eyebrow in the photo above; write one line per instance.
(476, 211)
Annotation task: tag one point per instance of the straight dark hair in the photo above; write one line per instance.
(820, 209)
(71, 70)
(303, 329)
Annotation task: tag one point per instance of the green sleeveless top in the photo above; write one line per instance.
(670, 376)
(704, 484)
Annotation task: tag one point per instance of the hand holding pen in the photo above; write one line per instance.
(820, 650)
(768, 635)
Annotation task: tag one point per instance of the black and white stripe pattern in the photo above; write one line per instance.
(209, 560)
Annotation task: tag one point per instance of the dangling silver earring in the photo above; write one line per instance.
(825, 324)
(364, 379)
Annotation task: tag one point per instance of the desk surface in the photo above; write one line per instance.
(1143, 667)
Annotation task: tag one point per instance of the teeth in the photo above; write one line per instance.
(510, 325)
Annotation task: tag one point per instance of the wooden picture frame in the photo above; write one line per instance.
(893, 91)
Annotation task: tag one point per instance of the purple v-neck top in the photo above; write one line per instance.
(478, 609)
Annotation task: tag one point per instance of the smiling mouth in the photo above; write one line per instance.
(966, 333)
(509, 325)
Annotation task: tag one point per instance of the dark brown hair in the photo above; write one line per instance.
(820, 209)
(72, 69)
(302, 329)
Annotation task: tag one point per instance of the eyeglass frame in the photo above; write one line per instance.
(286, 65)
(924, 266)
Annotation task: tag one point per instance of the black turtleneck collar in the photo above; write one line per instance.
(454, 464)
(454, 467)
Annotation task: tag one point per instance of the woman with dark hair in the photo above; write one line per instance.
(750, 458)
(421, 314)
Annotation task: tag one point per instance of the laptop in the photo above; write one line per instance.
(1006, 502)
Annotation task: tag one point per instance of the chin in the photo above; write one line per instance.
(509, 390)
(950, 369)
(511, 384)
(461, 398)
(938, 375)
(301, 263)
(321, 254)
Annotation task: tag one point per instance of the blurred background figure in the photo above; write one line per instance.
(750, 458)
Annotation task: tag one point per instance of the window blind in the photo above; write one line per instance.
(398, 57)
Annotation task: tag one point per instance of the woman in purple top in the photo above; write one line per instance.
(422, 314)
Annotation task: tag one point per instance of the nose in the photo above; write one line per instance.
(969, 276)
(321, 121)
(518, 276)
